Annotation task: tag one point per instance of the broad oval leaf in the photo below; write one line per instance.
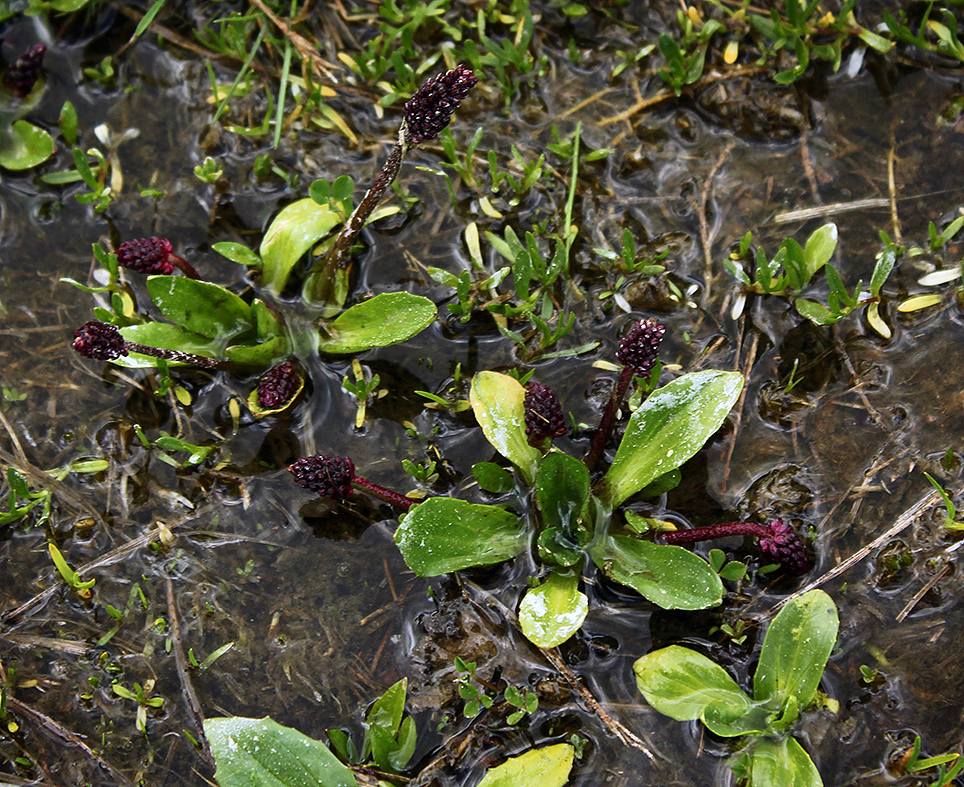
(200, 306)
(669, 428)
(498, 403)
(445, 534)
(386, 319)
(263, 354)
(545, 767)
(562, 491)
(259, 752)
(167, 337)
(294, 230)
(682, 684)
(24, 146)
(239, 253)
(819, 248)
(795, 650)
(553, 611)
(781, 762)
(669, 576)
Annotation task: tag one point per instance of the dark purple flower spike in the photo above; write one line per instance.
(543, 415)
(278, 386)
(637, 352)
(103, 342)
(22, 74)
(427, 112)
(334, 477)
(778, 541)
(152, 256)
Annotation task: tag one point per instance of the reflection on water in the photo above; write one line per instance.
(321, 609)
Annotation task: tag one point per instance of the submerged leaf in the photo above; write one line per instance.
(545, 767)
(24, 146)
(445, 534)
(259, 752)
(668, 429)
(553, 611)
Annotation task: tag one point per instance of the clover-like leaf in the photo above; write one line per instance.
(552, 612)
(795, 650)
(386, 319)
(259, 752)
(498, 402)
(446, 534)
(668, 429)
(669, 576)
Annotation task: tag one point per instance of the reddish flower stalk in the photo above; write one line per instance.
(151, 256)
(427, 112)
(637, 352)
(103, 342)
(777, 541)
(335, 477)
(22, 74)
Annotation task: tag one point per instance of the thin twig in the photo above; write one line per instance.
(747, 367)
(305, 48)
(617, 728)
(187, 687)
(705, 238)
(62, 733)
(892, 190)
(804, 214)
(922, 592)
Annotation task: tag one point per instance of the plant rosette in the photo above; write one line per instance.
(571, 520)
(686, 686)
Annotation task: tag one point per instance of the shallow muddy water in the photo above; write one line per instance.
(323, 613)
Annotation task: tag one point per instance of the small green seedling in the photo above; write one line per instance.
(793, 267)
(685, 685)
(142, 696)
(915, 764)
(950, 521)
(71, 577)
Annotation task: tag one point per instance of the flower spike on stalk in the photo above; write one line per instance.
(427, 112)
(103, 342)
(637, 352)
(22, 74)
(151, 256)
(334, 477)
(543, 415)
(777, 541)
